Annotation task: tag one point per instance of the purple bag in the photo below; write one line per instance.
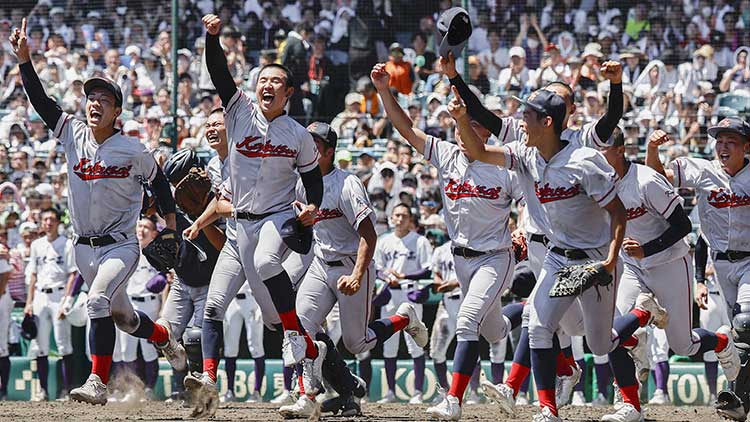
(157, 283)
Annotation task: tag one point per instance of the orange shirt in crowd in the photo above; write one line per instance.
(402, 76)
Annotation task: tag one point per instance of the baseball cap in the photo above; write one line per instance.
(547, 103)
(98, 82)
(396, 47)
(731, 124)
(517, 52)
(323, 132)
(344, 155)
(454, 26)
(353, 98)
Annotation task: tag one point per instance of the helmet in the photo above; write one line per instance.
(179, 165)
(29, 327)
(77, 314)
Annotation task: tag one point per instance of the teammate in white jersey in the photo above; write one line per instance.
(723, 189)
(6, 305)
(106, 170)
(144, 289)
(268, 152)
(51, 271)
(656, 258)
(343, 271)
(477, 198)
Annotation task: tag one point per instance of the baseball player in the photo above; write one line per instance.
(144, 289)
(268, 152)
(658, 347)
(51, 271)
(577, 185)
(477, 199)
(723, 191)
(6, 305)
(243, 309)
(509, 129)
(105, 174)
(343, 271)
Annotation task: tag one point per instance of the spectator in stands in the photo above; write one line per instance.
(638, 22)
(495, 57)
(477, 76)
(425, 59)
(738, 76)
(516, 76)
(552, 69)
(402, 74)
(346, 122)
(533, 42)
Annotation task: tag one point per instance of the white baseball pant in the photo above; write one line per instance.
(658, 346)
(184, 306)
(6, 306)
(46, 307)
(243, 310)
(390, 346)
(734, 281)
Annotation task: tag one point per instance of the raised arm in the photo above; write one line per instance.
(604, 127)
(47, 108)
(474, 107)
(216, 61)
(475, 147)
(656, 139)
(397, 115)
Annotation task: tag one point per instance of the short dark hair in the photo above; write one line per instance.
(57, 213)
(216, 110)
(401, 204)
(618, 139)
(289, 75)
(565, 86)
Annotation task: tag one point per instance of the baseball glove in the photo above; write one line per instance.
(572, 280)
(520, 247)
(162, 251)
(193, 192)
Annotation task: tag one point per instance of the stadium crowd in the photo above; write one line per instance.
(685, 66)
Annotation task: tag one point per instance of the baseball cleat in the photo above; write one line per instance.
(626, 413)
(284, 398)
(416, 398)
(254, 397)
(172, 350)
(579, 399)
(203, 393)
(617, 400)
(472, 397)
(660, 398)
(293, 348)
(728, 356)
(601, 400)
(659, 316)
(522, 400)
(228, 397)
(360, 390)
(390, 397)
(93, 391)
(500, 394)
(639, 353)
(349, 406)
(416, 328)
(304, 407)
(447, 410)
(564, 385)
(545, 415)
(312, 370)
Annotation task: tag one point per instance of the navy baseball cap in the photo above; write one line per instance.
(323, 132)
(454, 26)
(107, 84)
(731, 124)
(547, 103)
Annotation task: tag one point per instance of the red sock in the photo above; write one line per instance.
(547, 399)
(516, 377)
(630, 342)
(160, 334)
(721, 342)
(643, 316)
(289, 321)
(458, 386)
(563, 366)
(301, 384)
(209, 367)
(100, 365)
(399, 322)
(630, 395)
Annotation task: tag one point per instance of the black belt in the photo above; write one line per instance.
(539, 238)
(142, 298)
(454, 297)
(51, 290)
(570, 253)
(466, 252)
(399, 286)
(732, 256)
(253, 217)
(96, 242)
(338, 263)
(715, 293)
(241, 296)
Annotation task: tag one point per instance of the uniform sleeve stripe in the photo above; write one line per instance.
(62, 126)
(669, 206)
(679, 172)
(607, 194)
(432, 145)
(504, 132)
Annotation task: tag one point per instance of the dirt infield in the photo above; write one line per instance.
(153, 411)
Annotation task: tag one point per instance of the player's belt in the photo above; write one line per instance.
(540, 238)
(338, 263)
(732, 256)
(97, 241)
(570, 253)
(143, 298)
(466, 252)
(52, 289)
(253, 217)
(241, 296)
(454, 297)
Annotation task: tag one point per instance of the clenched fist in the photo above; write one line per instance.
(612, 71)
(659, 137)
(380, 77)
(212, 24)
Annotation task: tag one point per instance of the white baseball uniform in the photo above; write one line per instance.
(104, 185)
(52, 263)
(410, 254)
(477, 199)
(724, 213)
(344, 207)
(715, 316)
(146, 302)
(6, 305)
(243, 309)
